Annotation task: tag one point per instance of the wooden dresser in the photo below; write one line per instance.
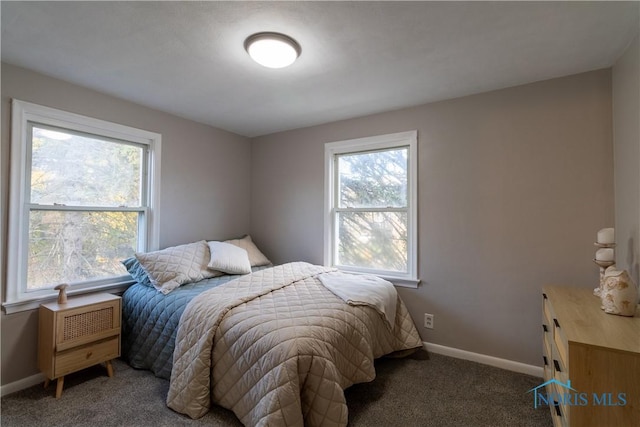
(81, 333)
(598, 353)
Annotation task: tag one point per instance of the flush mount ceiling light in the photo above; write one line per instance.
(272, 50)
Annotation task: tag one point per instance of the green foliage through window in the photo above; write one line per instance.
(81, 186)
(372, 208)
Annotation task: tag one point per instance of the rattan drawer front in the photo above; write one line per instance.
(85, 356)
(87, 324)
(83, 324)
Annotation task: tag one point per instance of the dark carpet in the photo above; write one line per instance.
(420, 390)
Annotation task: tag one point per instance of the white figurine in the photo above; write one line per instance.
(619, 293)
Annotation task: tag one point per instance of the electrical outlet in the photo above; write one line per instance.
(428, 321)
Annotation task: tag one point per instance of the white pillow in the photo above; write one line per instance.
(228, 258)
(255, 256)
(174, 266)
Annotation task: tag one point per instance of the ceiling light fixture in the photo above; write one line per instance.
(272, 50)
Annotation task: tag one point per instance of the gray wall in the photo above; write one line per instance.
(204, 187)
(626, 137)
(513, 186)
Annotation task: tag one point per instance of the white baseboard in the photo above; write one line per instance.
(509, 365)
(21, 384)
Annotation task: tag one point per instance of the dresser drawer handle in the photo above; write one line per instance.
(557, 365)
(544, 296)
(89, 354)
(555, 321)
(544, 328)
(546, 362)
(556, 405)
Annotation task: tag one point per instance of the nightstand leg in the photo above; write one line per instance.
(109, 368)
(59, 387)
(46, 382)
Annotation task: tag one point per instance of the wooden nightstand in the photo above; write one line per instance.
(81, 333)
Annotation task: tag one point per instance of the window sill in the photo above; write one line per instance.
(404, 283)
(25, 304)
(397, 281)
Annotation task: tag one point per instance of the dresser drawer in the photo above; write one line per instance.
(561, 343)
(560, 369)
(554, 334)
(559, 414)
(547, 312)
(88, 355)
(547, 370)
(547, 339)
(547, 344)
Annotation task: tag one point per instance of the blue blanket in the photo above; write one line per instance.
(150, 322)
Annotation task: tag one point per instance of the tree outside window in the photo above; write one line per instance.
(84, 195)
(371, 205)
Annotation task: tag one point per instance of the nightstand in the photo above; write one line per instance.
(81, 333)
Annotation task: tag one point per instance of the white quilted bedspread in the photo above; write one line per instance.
(278, 349)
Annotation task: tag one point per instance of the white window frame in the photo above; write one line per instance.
(16, 297)
(381, 142)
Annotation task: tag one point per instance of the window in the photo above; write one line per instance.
(371, 206)
(84, 195)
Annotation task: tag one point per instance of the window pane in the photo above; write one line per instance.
(80, 170)
(375, 240)
(69, 246)
(373, 179)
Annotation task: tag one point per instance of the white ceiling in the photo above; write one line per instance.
(358, 58)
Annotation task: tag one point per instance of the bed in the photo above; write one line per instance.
(150, 322)
(276, 346)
